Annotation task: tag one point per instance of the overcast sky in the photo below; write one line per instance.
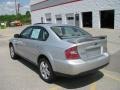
(8, 6)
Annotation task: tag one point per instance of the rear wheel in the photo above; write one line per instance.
(12, 52)
(46, 71)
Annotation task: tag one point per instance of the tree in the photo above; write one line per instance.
(25, 19)
(18, 16)
(28, 14)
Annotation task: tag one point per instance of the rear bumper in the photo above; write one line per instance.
(75, 67)
(83, 73)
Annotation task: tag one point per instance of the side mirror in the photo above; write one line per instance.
(16, 36)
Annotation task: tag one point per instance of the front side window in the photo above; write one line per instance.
(26, 33)
(69, 32)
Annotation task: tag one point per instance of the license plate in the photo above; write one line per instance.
(94, 52)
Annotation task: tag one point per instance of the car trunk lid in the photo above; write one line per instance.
(90, 48)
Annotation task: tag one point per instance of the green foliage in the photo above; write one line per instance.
(28, 14)
(25, 19)
(4, 18)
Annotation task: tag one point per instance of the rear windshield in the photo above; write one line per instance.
(69, 32)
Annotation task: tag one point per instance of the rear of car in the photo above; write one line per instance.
(60, 48)
(85, 52)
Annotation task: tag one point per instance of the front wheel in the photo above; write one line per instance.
(46, 71)
(12, 52)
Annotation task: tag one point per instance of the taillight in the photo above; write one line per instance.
(72, 53)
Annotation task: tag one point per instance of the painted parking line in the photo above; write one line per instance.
(54, 87)
(106, 73)
(93, 86)
(112, 77)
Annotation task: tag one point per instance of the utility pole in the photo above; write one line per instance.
(16, 7)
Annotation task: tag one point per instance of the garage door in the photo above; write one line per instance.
(107, 19)
(87, 19)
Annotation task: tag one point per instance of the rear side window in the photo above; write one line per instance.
(45, 35)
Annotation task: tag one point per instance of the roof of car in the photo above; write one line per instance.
(50, 24)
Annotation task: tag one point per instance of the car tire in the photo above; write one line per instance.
(45, 71)
(12, 52)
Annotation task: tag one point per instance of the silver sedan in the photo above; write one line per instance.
(62, 49)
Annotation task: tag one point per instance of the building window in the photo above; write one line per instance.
(48, 17)
(70, 18)
(58, 19)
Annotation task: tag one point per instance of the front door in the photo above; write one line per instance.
(21, 42)
(36, 43)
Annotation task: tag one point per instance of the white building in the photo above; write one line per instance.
(82, 13)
